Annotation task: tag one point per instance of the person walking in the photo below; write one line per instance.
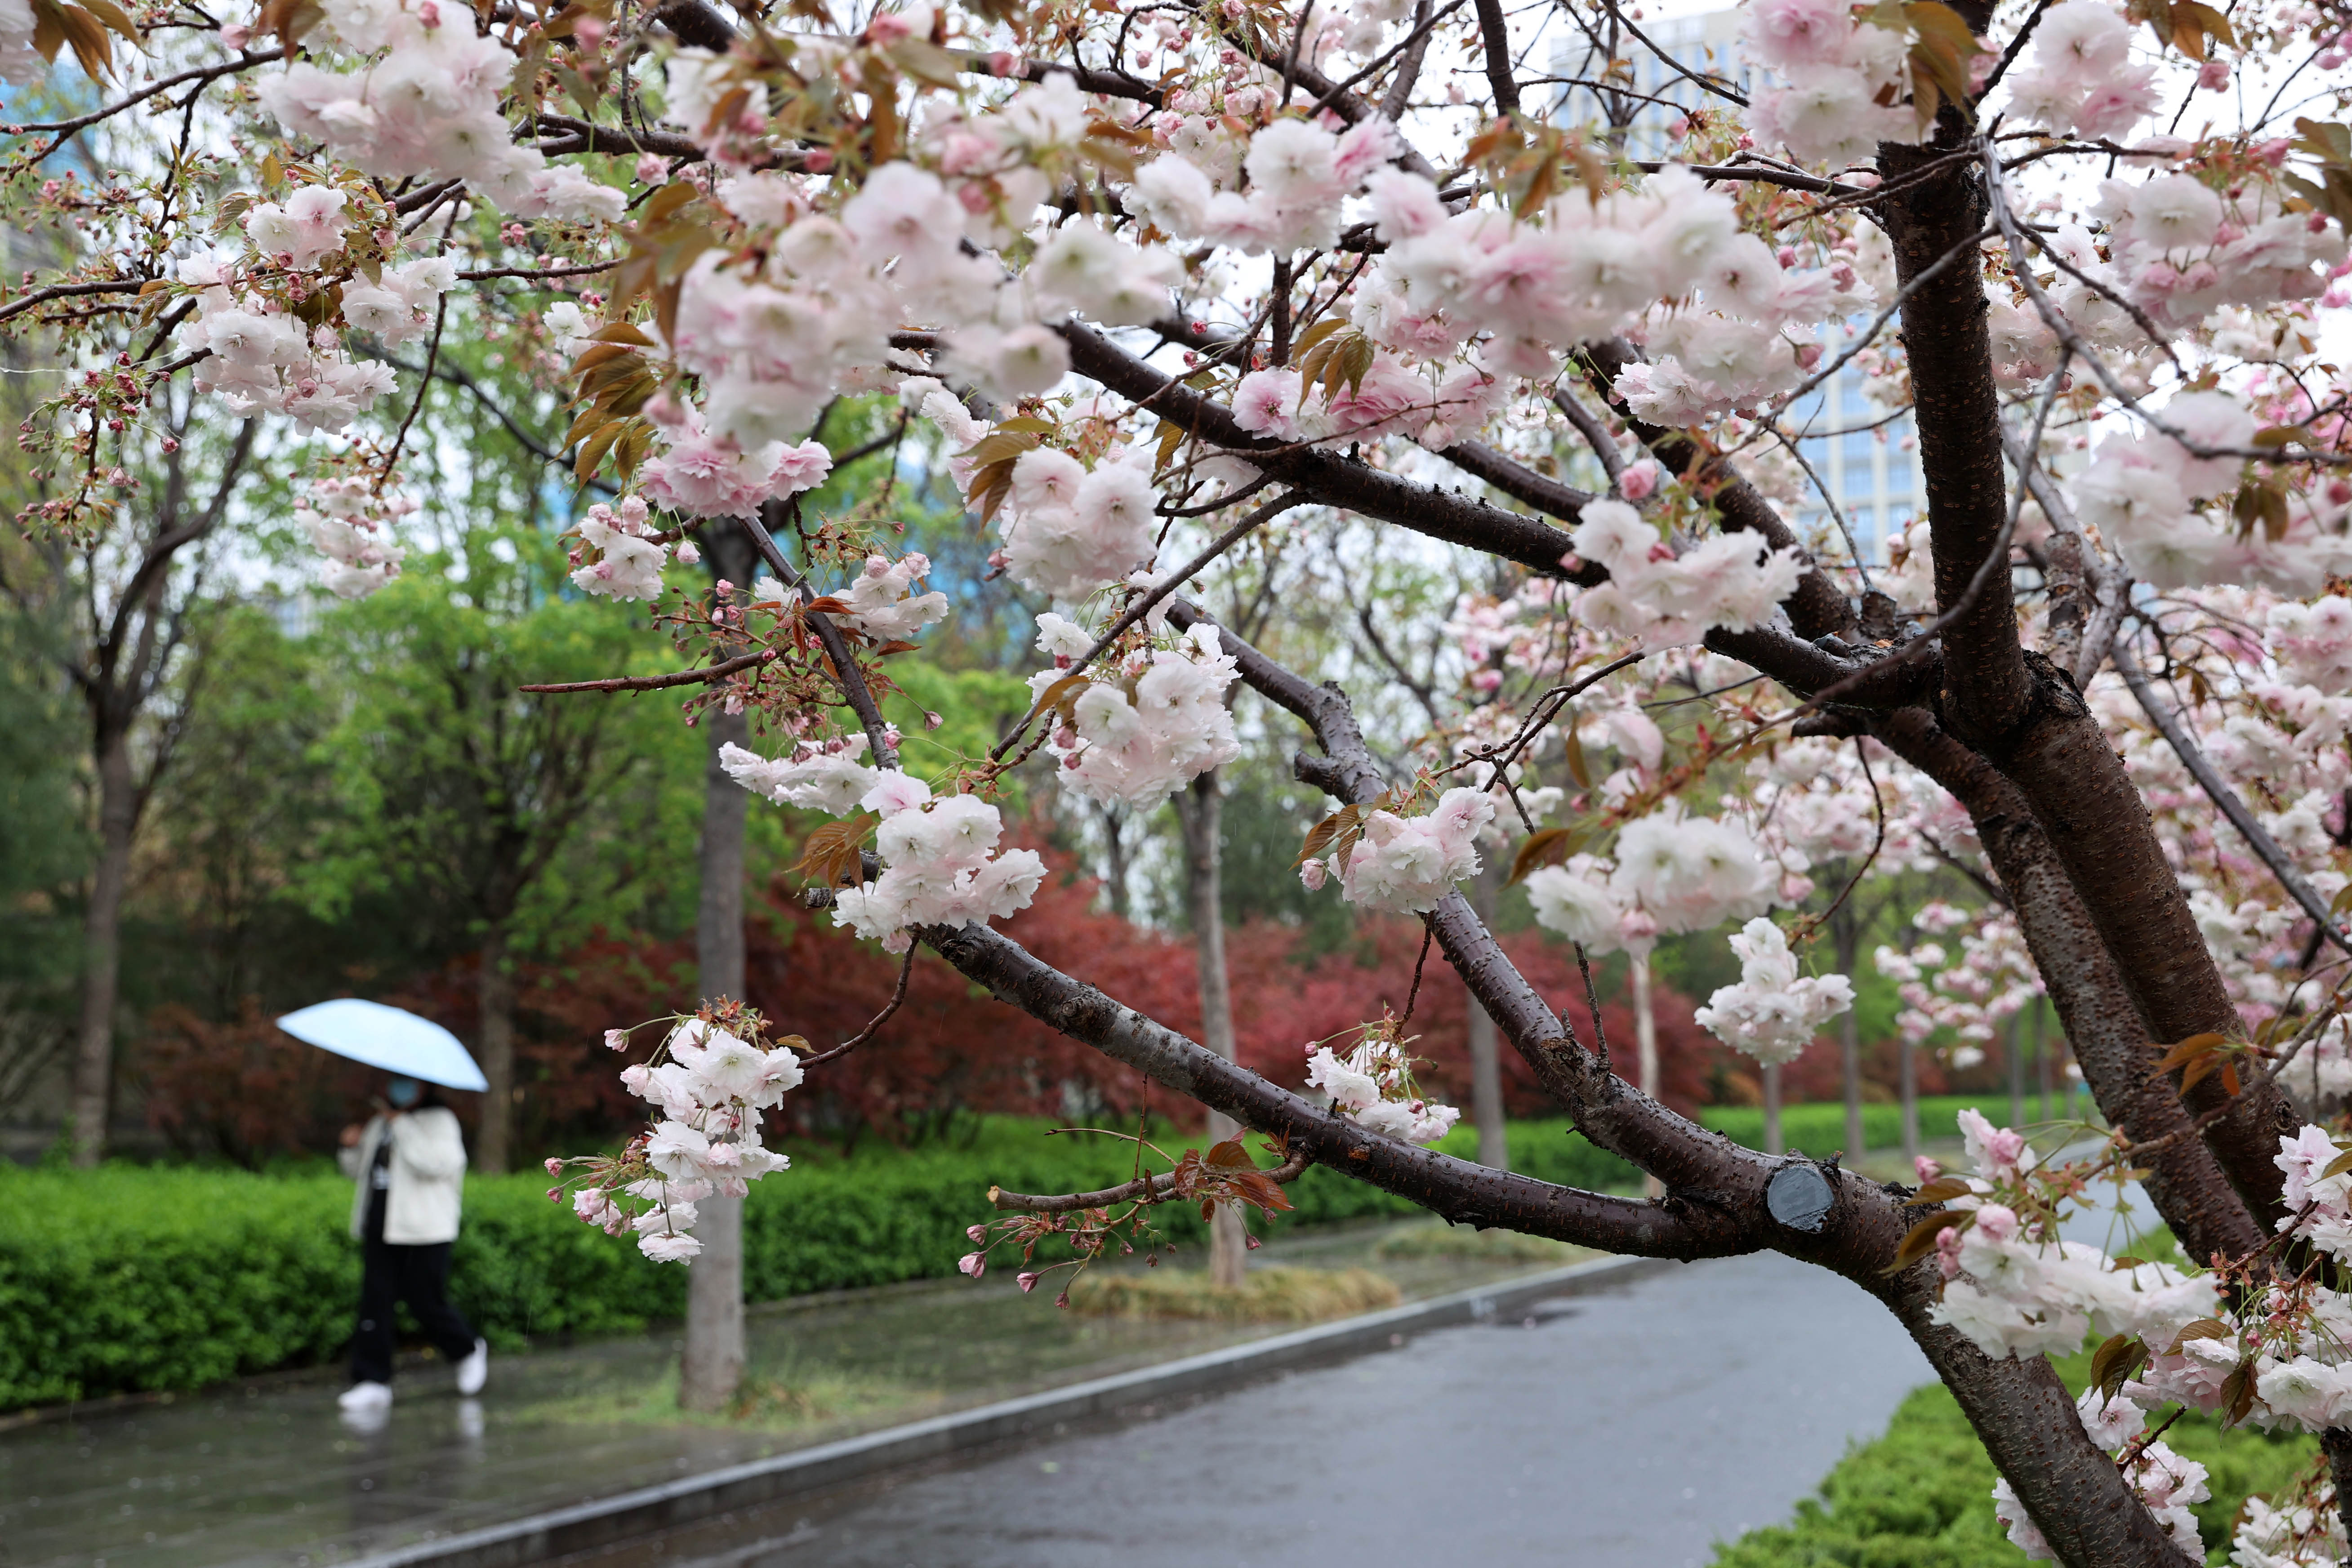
(410, 1164)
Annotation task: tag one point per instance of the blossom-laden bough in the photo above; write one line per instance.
(1155, 283)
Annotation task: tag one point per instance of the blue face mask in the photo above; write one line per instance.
(403, 1092)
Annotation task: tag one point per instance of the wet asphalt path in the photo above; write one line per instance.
(1629, 1429)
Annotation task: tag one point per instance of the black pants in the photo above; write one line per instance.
(420, 1277)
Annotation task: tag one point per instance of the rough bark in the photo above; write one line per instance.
(2018, 710)
(711, 1366)
(493, 1010)
(117, 819)
(1200, 813)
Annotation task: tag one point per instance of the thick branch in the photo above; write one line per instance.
(1958, 405)
(1329, 477)
(1463, 1192)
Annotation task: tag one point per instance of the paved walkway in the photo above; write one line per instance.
(1628, 1429)
(269, 1477)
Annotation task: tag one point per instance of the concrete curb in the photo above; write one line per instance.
(759, 1482)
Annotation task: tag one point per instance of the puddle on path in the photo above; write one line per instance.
(271, 1476)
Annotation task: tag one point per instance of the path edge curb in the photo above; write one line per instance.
(759, 1482)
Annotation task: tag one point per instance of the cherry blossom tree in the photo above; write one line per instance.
(1149, 278)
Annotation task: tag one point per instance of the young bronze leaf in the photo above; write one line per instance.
(1319, 836)
(1943, 1189)
(1230, 1155)
(830, 856)
(1920, 1239)
(1544, 846)
(2188, 1050)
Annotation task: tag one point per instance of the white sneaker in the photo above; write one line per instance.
(363, 1398)
(474, 1370)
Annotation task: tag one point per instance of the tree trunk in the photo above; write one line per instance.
(494, 1005)
(2042, 1054)
(1199, 814)
(2015, 1049)
(1908, 1091)
(1486, 1059)
(1115, 856)
(93, 1078)
(1773, 1143)
(1846, 930)
(710, 1370)
(1645, 1044)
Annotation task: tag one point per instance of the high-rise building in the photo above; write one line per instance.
(1871, 467)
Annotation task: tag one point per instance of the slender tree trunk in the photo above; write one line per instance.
(710, 1369)
(1773, 1143)
(1645, 1043)
(494, 1005)
(1909, 1094)
(2042, 1054)
(1846, 930)
(1115, 856)
(1199, 814)
(1486, 1052)
(93, 1078)
(2015, 1049)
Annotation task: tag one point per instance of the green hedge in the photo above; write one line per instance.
(134, 1278)
(1921, 1497)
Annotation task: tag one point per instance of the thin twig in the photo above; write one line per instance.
(424, 387)
(1591, 1005)
(1428, 933)
(854, 689)
(866, 1034)
(660, 682)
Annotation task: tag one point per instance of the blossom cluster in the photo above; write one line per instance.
(266, 358)
(2013, 1287)
(1372, 1082)
(1840, 79)
(2142, 493)
(2079, 79)
(882, 602)
(710, 1092)
(1672, 874)
(617, 559)
(1773, 1014)
(1401, 865)
(1145, 723)
(1069, 530)
(1660, 598)
(941, 864)
(348, 520)
(1990, 979)
(422, 101)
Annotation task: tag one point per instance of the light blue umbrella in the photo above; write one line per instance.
(389, 1038)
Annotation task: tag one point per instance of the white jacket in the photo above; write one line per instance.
(427, 1172)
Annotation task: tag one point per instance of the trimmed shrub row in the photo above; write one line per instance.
(136, 1278)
